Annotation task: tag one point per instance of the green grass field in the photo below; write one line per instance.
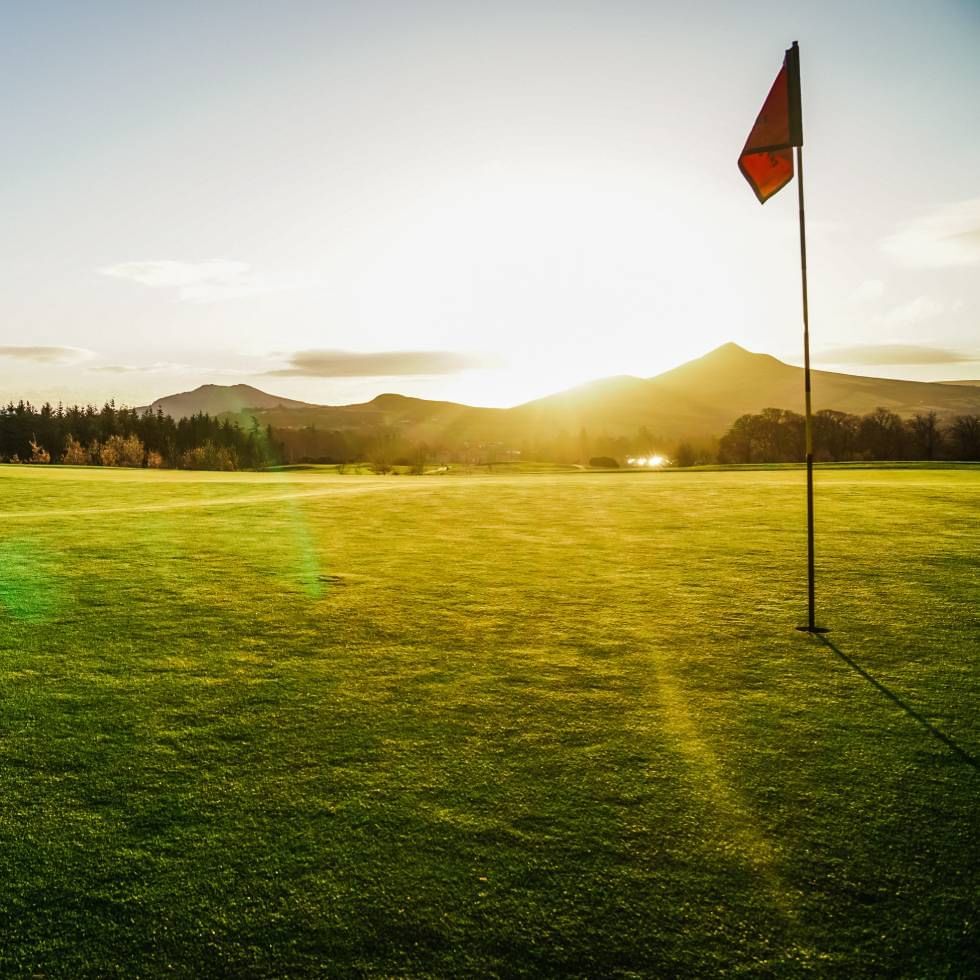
(297, 723)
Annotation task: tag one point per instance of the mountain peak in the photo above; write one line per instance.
(729, 350)
(728, 357)
(214, 387)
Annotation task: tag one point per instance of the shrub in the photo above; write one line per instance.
(131, 451)
(75, 453)
(107, 454)
(39, 454)
(119, 451)
(604, 462)
(208, 457)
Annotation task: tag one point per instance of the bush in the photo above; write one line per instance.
(604, 462)
(122, 451)
(75, 453)
(208, 457)
(131, 451)
(108, 454)
(39, 454)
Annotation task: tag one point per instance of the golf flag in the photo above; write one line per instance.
(766, 161)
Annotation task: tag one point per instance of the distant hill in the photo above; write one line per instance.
(698, 399)
(219, 399)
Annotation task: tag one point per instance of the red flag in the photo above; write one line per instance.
(766, 160)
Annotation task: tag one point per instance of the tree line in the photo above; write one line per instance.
(775, 435)
(111, 436)
(386, 446)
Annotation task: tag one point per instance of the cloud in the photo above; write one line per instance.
(117, 368)
(47, 355)
(894, 354)
(195, 282)
(164, 367)
(359, 364)
(920, 308)
(948, 237)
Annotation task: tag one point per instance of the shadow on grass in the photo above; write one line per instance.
(908, 709)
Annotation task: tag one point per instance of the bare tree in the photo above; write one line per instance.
(882, 434)
(964, 434)
(381, 450)
(419, 456)
(926, 437)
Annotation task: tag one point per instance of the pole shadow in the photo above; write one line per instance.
(908, 709)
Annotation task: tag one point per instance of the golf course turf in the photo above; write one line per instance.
(305, 724)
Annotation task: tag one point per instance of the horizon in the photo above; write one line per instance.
(471, 206)
(582, 385)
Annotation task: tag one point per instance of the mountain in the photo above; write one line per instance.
(747, 382)
(704, 396)
(218, 399)
(698, 399)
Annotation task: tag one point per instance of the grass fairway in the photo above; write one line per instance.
(306, 724)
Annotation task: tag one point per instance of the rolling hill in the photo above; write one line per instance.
(696, 400)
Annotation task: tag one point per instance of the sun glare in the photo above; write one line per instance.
(647, 462)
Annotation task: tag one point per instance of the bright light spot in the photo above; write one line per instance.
(647, 461)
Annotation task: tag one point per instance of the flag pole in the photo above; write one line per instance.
(766, 162)
(811, 623)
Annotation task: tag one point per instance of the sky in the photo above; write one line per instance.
(470, 201)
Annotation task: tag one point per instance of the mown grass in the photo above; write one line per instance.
(305, 724)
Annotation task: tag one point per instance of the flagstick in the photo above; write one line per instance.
(811, 626)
